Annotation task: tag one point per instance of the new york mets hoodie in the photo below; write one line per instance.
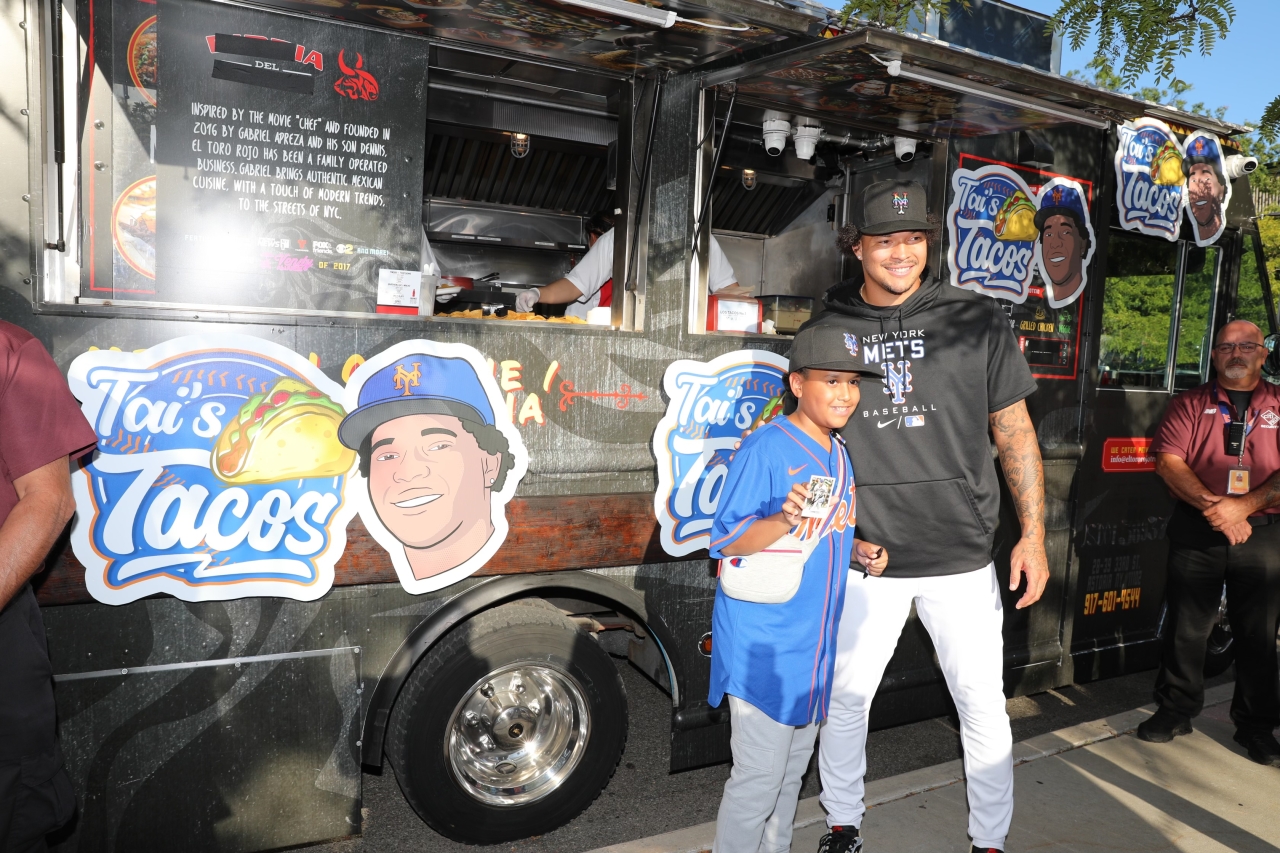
(920, 447)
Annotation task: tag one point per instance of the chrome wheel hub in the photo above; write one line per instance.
(518, 733)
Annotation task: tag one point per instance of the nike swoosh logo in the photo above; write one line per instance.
(791, 472)
(883, 424)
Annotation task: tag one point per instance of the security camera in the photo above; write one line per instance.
(904, 148)
(806, 137)
(1239, 165)
(777, 127)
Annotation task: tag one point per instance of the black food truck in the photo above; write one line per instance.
(352, 509)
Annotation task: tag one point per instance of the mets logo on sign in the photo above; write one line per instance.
(992, 231)
(219, 472)
(1150, 184)
(711, 405)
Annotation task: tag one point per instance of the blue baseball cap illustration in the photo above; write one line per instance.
(417, 384)
(1062, 200)
(1203, 150)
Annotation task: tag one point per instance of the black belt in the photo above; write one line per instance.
(1264, 520)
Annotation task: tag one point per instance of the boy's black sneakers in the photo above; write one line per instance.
(1262, 746)
(841, 839)
(985, 850)
(1163, 727)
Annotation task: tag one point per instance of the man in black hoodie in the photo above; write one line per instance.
(928, 492)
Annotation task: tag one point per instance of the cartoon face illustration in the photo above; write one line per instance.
(438, 467)
(1066, 241)
(1063, 255)
(430, 480)
(1207, 191)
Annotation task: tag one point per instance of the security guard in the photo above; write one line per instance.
(1218, 453)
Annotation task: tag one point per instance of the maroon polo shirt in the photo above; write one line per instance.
(40, 422)
(1192, 429)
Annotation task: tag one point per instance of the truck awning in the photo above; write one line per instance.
(916, 86)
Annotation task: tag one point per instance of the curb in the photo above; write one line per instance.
(697, 839)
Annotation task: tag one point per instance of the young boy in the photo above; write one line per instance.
(775, 660)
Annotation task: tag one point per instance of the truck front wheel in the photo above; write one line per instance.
(509, 727)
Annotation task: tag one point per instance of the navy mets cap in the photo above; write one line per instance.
(1062, 200)
(828, 347)
(889, 206)
(417, 384)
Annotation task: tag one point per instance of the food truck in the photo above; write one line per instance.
(352, 512)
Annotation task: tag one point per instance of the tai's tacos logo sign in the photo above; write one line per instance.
(992, 234)
(711, 405)
(1150, 186)
(1003, 231)
(219, 472)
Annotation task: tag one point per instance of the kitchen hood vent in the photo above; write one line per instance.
(467, 164)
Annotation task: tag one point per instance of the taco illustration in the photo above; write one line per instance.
(290, 432)
(771, 410)
(1016, 219)
(1166, 166)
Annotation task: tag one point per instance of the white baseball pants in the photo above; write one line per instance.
(965, 618)
(759, 803)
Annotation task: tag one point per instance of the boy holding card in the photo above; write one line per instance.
(783, 531)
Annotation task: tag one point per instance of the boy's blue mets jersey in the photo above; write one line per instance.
(780, 657)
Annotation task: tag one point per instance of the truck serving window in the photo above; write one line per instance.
(234, 158)
(1157, 314)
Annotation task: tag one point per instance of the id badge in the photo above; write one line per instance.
(821, 492)
(1238, 481)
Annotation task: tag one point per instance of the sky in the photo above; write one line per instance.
(1239, 74)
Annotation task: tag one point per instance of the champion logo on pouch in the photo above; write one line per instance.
(992, 233)
(913, 420)
(218, 475)
(736, 562)
(1150, 187)
(711, 405)
(851, 344)
(1270, 419)
(900, 202)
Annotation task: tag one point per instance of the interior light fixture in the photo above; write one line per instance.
(980, 90)
(519, 145)
(748, 179)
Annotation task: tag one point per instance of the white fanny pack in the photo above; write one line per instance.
(770, 576)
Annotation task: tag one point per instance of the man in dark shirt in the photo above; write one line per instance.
(1218, 453)
(41, 429)
(928, 492)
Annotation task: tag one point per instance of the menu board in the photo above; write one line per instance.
(288, 158)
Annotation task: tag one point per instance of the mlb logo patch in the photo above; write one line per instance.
(1270, 418)
(913, 420)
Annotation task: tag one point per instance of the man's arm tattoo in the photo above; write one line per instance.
(1019, 450)
(1269, 492)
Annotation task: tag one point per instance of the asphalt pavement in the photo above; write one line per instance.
(643, 799)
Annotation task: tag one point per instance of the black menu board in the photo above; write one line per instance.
(288, 158)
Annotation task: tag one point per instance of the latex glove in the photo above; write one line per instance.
(527, 299)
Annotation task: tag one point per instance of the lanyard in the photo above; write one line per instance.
(1225, 411)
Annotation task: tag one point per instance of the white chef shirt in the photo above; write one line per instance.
(596, 267)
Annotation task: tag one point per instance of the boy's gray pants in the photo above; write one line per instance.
(759, 803)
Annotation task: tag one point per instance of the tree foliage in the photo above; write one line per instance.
(895, 13)
(1137, 36)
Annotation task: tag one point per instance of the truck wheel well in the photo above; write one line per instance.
(590, 595)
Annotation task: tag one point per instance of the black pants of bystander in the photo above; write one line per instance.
(1251, 573)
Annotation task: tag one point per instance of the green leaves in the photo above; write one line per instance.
(895, 13)
(1137, 36)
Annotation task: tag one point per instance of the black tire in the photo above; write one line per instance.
(506, 646)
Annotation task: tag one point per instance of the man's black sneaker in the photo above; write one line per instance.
(977, 849)
(841, 839)
(1163, 727)
(1261, 746)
